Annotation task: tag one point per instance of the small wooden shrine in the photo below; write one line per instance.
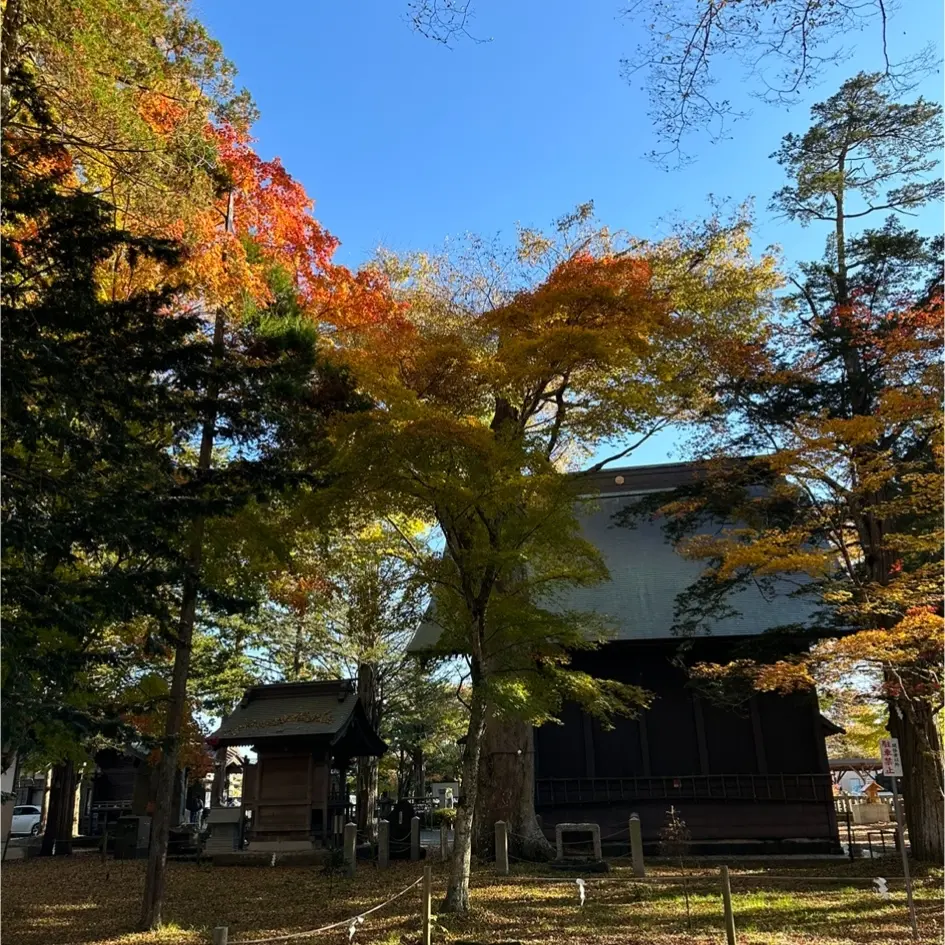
(305, 736)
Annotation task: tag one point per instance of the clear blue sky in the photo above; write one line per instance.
(403, 142)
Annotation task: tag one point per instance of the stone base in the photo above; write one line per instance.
(592, 829)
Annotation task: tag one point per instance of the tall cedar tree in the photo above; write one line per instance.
(103, 399)
(510, 362)
(841, 404)
(95, 392)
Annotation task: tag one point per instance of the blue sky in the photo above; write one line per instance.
(404, 142)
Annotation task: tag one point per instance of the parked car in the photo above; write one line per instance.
(26, 820)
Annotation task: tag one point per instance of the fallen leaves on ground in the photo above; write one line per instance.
(82, 901)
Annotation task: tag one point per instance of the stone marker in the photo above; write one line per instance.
(592, 829)
(636, 846)
(414, 838)
(502, 847)
(383, 844)
(444, 841)
(350, 840)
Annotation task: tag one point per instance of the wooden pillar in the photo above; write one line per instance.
(502, 848)
(589, 766)
(700, 733)
(414, 838)
(758, 736)
(636, 846)
(426, 930)
(383, 844)
(727, 906)
(823, 766)
(644, 745)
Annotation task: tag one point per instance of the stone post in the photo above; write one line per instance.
(502, 847)
(351, 836)
(383, 844)
(415, 838)
(444, 841)
(220, 935)
(636, 846)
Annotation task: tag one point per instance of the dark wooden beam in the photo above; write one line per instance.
(589, 766)
(700, 734)
(820, 745)
(760, 757)
(644, 745)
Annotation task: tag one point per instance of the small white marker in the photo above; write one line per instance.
(881, 887)
(580, 886)
(355, 922)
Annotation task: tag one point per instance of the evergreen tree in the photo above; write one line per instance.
(840, 403)
(95, 394)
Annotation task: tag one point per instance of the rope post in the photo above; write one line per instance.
(383, 844)
(220, 935)
(415, 838)
(350, 838)
(636, 846)
(426, 931)
(727, 905)
(502, 847)
(444, 841)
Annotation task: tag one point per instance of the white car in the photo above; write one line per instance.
(26, 820)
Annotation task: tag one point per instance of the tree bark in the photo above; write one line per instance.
(507, 791)
(416, 777)
(457, 887)
(922, 784)
(367, 767)
(57, 838)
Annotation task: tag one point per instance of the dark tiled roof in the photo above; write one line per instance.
(289, 709)
(646, 572)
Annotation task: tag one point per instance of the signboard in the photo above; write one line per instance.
(889, 754)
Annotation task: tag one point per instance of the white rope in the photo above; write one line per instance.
(353, 922)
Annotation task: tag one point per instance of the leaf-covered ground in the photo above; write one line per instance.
(81, 901)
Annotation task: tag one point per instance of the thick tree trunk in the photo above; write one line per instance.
(457, 887)
(367, 767)
(507, 791)
(367, 795)
(57, 838)
(416, 777)
(922, 784)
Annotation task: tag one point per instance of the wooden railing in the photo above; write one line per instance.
(806, 788)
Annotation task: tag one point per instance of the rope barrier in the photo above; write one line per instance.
(695, 878)
(333, 925)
